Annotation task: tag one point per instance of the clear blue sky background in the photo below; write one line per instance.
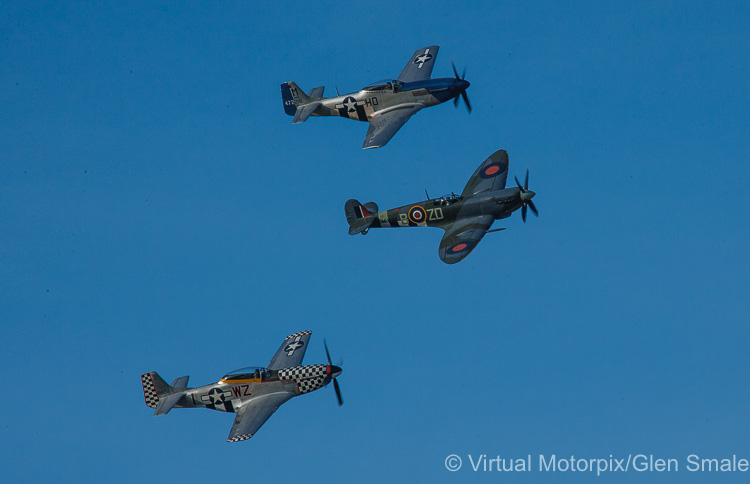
(159, 211)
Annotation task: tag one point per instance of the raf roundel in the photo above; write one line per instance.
(493, 170)
(416, 214)
(461, 247)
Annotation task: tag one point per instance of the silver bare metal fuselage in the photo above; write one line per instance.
(228, 396)
(364, 104)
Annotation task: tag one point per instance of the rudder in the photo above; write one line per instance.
(153, 386)
(292, 96)
(360, 216)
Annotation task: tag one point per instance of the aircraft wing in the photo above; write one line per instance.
(462, 237)
(384, 126)
(291, 351)
(252, 415)
(491, 175)
(419, 67)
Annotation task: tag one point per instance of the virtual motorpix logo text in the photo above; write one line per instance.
(598, 465)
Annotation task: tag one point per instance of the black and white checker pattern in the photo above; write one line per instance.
(308, 378)
(307, 386)
(149, 390)
(239, 438)
(301, 333)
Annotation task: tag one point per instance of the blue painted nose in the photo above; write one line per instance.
(463, 84)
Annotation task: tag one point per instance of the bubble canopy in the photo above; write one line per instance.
(384, 85)
(246, 373)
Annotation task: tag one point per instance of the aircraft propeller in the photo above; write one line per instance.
(463, 92)
(335, 370)
(526, 196)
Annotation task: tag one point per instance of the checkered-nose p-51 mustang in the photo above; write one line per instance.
(252, 393)
(387, 104)
(466, 218)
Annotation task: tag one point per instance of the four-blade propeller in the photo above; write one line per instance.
(335, 371)
(465, 84)
(526, 196)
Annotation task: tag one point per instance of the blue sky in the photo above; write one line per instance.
(161, 212)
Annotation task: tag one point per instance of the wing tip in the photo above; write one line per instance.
(301, 333)
(239, 438)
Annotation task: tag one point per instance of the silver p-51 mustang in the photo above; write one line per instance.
(253, 393)
(387, 104)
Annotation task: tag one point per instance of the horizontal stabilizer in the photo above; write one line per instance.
(304, 112)
(167, 403)
(316, 92)
(180, 382)
(360, 216)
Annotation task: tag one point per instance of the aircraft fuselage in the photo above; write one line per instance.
(443, 212)
(228, 394)
(364, 104)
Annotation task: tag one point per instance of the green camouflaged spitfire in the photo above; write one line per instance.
(466, 218)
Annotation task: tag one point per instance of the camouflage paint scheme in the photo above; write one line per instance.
(386, 104)
(466, 218)
(253, 393)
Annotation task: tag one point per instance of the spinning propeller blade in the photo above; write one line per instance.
(533, 208)
(338, 391)
(462, 92)
(526, 196)
(466, 100)
(335, 383)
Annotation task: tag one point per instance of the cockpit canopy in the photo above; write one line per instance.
(447, 199)
(384, 85)
(248, 373)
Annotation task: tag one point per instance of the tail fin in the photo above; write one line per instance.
(293, 97)
(161, 396)
(359, 216)
(153, 387)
